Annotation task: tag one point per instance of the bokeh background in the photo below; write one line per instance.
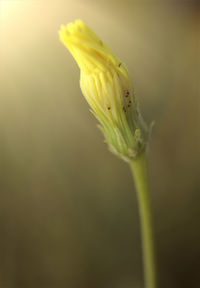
(68, 209)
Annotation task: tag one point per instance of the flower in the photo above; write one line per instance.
(106, 85)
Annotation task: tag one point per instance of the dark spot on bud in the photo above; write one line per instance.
(124, 109)
(119, 64)
(130, 101)
(127, 93)
(109, 107)
(129, 105)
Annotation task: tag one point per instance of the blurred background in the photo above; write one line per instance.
(68, 209)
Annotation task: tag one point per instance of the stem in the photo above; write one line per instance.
(139, 171)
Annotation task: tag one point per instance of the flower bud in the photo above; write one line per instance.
(106, 85)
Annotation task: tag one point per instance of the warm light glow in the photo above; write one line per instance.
(8, 8)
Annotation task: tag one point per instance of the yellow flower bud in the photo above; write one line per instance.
(105, 84)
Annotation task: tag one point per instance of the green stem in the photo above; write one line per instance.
(139, 171)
